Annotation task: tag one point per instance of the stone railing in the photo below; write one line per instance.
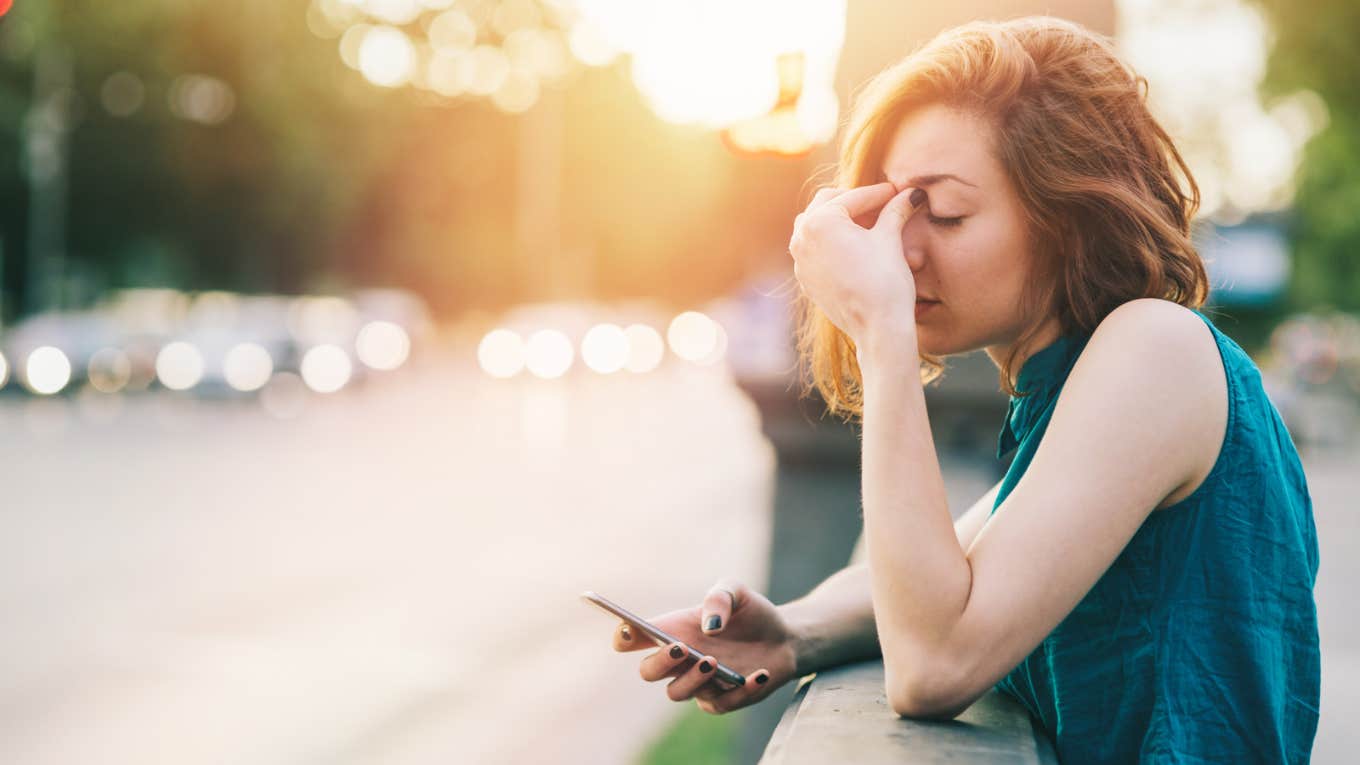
(842, 716)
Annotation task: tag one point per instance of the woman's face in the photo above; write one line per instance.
(967, 248)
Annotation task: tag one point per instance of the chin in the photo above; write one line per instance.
(930, 343)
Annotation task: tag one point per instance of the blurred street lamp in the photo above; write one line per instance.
(326, 368)
(247, 367)
(501, 353)
(46, 371)
(179, 365)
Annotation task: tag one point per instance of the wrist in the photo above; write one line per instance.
(802, 640)
(888, 346)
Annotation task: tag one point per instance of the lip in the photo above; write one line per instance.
(923, 306)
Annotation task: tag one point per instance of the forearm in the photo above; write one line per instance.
(834, 624)
(920, 577)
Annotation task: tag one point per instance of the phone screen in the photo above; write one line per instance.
(661, 637)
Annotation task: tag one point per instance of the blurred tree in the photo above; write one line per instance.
(250, 197)
(226, 145)
(1315, 48)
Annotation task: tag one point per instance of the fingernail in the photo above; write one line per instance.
(625, 633)
(677, 652)
(917, 197)
(713, 623)
(762, 678)
(704, 666)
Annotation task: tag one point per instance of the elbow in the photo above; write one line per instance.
(921, 704)
(934, 694)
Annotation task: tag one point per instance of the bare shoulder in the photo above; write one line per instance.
(1163, 356)
(1160, 337)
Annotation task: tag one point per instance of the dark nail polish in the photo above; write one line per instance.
(713, 623)
(677, 652)
(917, 198)
(762, 679)
(704, 666)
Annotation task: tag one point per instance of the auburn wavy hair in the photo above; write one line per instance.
(1107, 197)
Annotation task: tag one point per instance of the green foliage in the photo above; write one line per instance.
(696, 738)
(256, 202)
(1315, 49)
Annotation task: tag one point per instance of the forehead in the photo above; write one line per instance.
(938, 139)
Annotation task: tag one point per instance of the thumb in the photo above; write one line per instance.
(895, 214)
(722, 599)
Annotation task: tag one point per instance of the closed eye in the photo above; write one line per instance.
(945, 221)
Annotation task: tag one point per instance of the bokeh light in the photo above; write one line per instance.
(122, 94)
(201, 99)
(109, 370)
(386, 57)
(501, 353)
(605, 348)
(767, 71)
(322, 320)
(382, 345)
(247, 367)
(46, 371)
(179, 365)
(719, 350)
(646, 349)
(548, 354)
(692, 336)
(326, 368)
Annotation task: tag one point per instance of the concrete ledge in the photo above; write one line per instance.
(842, 715)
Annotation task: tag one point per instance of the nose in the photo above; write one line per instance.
(914, 242)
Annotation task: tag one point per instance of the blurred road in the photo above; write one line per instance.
(392, 577)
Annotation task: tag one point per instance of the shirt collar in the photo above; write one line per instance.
(1042, 376)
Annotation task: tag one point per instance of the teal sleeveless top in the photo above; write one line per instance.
(1200, 643)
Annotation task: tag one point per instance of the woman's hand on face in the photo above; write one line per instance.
(857, 276)
(750, 636)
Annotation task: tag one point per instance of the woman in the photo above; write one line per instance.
(1142, 577)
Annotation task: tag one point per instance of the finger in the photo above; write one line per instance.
(899, 209)
(722, 599)
(822, 196)
(684, 686)
(864, 199)
(627, 637)
(664, 663)
(757, 687)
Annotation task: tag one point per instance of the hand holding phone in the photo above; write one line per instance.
(660, 637)
(751, 637)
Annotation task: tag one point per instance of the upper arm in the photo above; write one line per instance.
(968, 525)
(1120, 440)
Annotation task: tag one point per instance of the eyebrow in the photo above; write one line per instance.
(928, 179)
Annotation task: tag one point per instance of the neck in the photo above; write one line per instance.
(1050, 331)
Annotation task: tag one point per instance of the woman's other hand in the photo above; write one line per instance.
(734, 625)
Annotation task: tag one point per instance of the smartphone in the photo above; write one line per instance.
(722, 672)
